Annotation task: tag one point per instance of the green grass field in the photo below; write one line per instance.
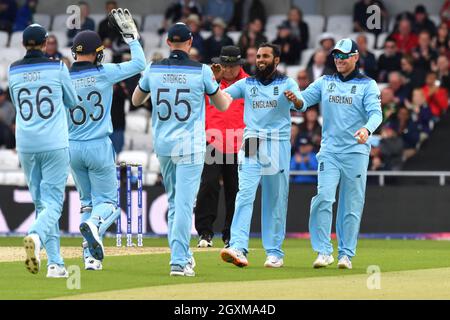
(147, 276)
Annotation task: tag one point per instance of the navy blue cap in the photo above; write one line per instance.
(179, 32)
(86, 42)
(34, 35)
(346, 46)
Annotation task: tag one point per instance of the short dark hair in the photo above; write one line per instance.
(275, 48)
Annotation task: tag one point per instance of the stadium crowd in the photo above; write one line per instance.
(412, 68)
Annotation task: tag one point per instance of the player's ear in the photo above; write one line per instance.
(276, 60)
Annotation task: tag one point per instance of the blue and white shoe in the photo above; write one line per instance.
(95, 245)
(92, 264)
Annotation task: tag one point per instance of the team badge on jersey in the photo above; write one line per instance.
(276, 91)
(331, 87)
(254, 92)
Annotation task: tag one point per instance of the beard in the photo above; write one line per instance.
(263, 74)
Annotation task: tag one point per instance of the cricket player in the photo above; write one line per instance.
(265, 157)
(92, 156)
(177, 86)
(351, 111)
(41, 91)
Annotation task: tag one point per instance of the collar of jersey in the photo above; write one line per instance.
(268, 81)
(178, 54)
(82, 65)
(350, 76)
(34, 54)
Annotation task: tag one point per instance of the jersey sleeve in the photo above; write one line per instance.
(144, 82)
(209, 81)
(312, 95)
(293, 87)
(237, 89)
(116, 72)
(372, 105)
(70, 97)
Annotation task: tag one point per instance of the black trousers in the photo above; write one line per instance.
(208, 195)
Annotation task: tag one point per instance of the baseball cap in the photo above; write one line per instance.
(87, 42)
(179, 32)
(34, 35)
(346, 46)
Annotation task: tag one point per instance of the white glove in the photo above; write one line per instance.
(124, 23)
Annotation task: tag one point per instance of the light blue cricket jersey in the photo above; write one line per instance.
(41, 90)
(267, 112)
(91, 118)
(347, 105)
(177, 86)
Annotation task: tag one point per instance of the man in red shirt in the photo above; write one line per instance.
(224, 132)
(405, 39)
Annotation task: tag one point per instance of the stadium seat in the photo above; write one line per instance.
(234, 35)
(370, 39)
(140, 141)
(3, 72)
(436, 19)
(15, 178)
(315, 25)
(306, 55)
(140, 157)
(273, 21)
(9, 160)
(43, 19)
(137, 122)
(9, 55)
(152, 40)
(154, 165)
(377, 53)
(3, 39)
(150, 179)
(62, 38)
(66, 52)
(381, 39)
(291, 71)
(16, 39)
(152, 22)
(340, 24)
(59, 22)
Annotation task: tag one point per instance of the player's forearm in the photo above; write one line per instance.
(137, 63)
(139, 97)
(375, 119)
(221, 100)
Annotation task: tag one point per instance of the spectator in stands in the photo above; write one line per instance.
(252, 36)
(194, 23)
(7, 110)
(319, 67)
(120, 95)
(51, 49)
(156, 56)
(250, 61)
(223, 9)
(407, 129)
(194, 54)
(295, 130)
(303, 79)
(299, 28)
(311, 128)
(327, 42)
(405, 38)
(414, 78)
(400, 89)
(25, 15)
(106, 33)
(437, 97)
(8, 13)
(245, 11)
(391, 149)
(441, 40)
(442, 70)
(422, 22)
(217, 40)
(179, 10)
(304, 159)
(367, 61)
(7, 139)
(361, 15)
(424, 55)
(420, 112)
(445, 13)
(389, 61)
(389, 104)
(86, 22)
(290, 45)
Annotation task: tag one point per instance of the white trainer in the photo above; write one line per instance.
(345, 263)
(323, 260)
(55, 271)
(32, 245)
(273, 262)
(186, 271)
(95, 244)
(92, 264)
(234, 256)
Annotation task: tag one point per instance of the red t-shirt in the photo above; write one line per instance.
(224, 130)
(406, 44)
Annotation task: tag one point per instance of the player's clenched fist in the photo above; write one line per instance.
(362, 135)
(293, 98)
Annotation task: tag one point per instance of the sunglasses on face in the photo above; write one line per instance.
(342, 56)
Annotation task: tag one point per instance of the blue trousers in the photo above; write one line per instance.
(349, 171)
(46, 174)
(94, 172)
(181, 179)
(270, 168)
